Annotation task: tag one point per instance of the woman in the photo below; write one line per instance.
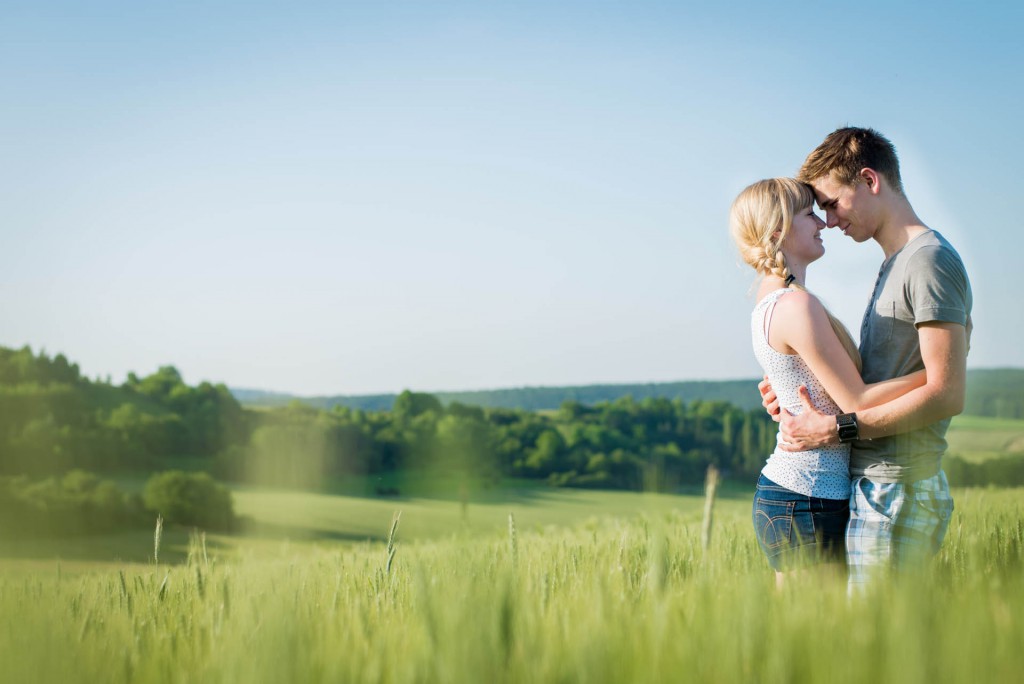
(801, 506)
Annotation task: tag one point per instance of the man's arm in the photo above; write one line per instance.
(944, 352)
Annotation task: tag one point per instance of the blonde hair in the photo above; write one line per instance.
(759, 221)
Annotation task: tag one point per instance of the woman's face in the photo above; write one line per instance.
(804, 243)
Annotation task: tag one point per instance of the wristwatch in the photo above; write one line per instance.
(846, 424)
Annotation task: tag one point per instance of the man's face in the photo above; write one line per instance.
(846, 207)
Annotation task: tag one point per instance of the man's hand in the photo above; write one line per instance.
(808, 430)
(768, 399)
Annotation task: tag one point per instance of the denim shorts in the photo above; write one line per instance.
(792, 528)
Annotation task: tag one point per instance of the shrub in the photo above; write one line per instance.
(190, 499)
(79, 503)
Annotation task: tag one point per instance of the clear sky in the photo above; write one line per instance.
(341, 198)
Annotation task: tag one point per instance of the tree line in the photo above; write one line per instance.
(53, 420)
(741, 393)
(991, 392)
(626, 444)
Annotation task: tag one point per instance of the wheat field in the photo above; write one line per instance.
(612, 599)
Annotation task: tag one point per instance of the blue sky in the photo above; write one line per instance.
(336, 198)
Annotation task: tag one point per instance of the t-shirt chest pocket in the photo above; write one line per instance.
(882, 320)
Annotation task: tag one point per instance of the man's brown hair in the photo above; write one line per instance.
(848, 150)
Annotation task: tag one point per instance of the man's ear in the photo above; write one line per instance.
(871, 179)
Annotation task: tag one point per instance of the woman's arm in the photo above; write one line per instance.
(800, 324)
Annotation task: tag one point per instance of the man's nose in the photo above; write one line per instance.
(830, 219)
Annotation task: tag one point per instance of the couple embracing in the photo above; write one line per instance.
(856, 476)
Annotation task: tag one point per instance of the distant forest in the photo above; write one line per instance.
(53, 421)
(740, 393)
(992, 392)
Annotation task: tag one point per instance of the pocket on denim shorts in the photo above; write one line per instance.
(939, 504)
(877, 502)
(773, 521)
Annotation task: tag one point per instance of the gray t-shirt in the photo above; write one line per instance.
(924, 282)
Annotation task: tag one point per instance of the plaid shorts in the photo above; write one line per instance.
(895, 525)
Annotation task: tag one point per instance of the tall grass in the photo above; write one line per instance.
(158, 535)
(606, 601)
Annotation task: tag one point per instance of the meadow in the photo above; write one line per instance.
(571, 587)
(978, 438)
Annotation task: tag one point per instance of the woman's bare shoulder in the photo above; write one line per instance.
(799, 303)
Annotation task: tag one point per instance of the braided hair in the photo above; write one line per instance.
(759, 221)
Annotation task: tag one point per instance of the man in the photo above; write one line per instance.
(919, 316)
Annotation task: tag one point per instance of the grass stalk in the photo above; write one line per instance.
(158, 535)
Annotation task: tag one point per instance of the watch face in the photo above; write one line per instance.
(846, 424)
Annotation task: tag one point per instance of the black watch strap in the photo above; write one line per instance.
(846, 425)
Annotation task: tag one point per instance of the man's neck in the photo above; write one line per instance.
(899, 226)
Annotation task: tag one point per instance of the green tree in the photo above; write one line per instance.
(467, 445)
(190, 499)
(544, 459)
(411, 404)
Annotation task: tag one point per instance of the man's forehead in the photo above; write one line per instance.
(826, 184)
(822, 198)
(825, 189)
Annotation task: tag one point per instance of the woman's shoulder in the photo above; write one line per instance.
(797, 301)
(770, 294)
(797, 309)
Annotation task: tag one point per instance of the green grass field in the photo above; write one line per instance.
(590, 587)
(432, 510)
(319, 516)
(976, 439)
